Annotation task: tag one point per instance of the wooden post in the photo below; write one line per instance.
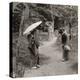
(52, 24)
(52, 17)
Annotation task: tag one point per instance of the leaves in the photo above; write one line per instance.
(34, 12)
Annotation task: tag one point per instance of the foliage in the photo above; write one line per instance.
(43, 12)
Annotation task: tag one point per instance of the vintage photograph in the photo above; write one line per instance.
(43, 39)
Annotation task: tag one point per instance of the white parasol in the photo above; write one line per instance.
(31, 27)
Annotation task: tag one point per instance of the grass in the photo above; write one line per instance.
(21, 58)
(74, 45)
(74, 49)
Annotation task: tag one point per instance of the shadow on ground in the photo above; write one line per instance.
(26, 61)
(75, 67)
(44, 59)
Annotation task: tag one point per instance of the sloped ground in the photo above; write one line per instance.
(51, 62)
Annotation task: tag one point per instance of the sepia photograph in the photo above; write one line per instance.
(43, 39)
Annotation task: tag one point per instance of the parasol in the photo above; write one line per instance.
(31, 27)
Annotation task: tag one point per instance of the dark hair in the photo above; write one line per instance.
(28, 36)
(61, 30)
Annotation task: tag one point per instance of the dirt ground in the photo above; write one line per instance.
(51, 61)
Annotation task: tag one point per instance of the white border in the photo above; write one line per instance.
(4, 38)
